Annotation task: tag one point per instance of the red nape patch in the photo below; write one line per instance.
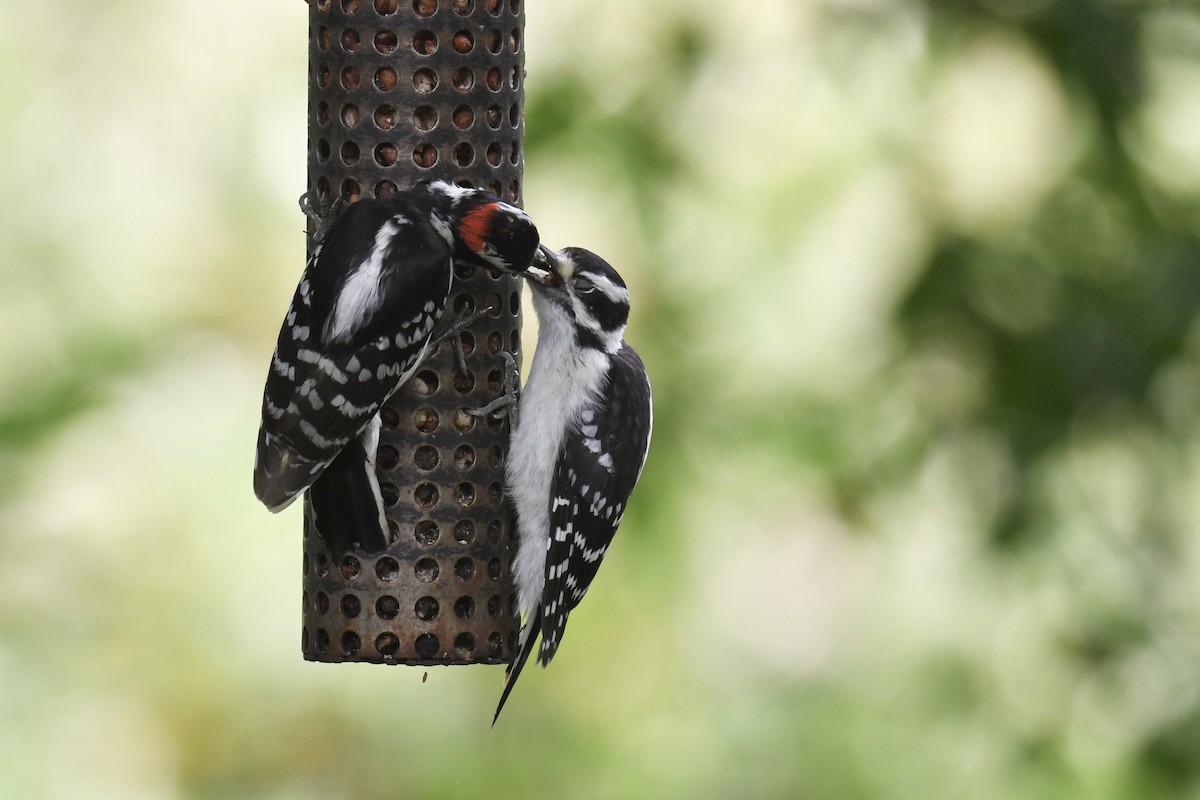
(475, 226)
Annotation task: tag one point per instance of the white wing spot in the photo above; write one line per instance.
(273, 411)
(348, 408)
(388, 371)
(283, 368)
(326, 365)
(316, 438)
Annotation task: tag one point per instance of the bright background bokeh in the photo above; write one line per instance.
(918, 286)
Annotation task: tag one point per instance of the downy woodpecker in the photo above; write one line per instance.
(579, 446)
(361, 320)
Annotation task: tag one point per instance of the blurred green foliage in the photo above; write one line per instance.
(918, 285)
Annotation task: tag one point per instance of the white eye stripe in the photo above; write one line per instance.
(614, 292)
(516, 212)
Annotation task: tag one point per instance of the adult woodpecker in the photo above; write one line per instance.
(362, 318)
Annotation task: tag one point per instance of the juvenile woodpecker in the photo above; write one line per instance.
(580, 445)
(361, 320)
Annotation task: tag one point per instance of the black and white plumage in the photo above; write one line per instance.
(361, 320)
(585, 421)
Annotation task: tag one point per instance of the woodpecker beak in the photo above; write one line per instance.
(546, 269)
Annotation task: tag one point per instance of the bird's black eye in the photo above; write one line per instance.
(584, 286)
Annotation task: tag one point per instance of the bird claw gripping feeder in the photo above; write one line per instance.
(399, 91)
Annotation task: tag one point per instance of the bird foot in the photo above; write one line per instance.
(322, 211)
(508, 402)
(450, 330)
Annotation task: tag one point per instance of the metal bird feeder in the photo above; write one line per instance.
(401, 90)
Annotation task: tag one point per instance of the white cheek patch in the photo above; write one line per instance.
(516, 212)
(583, 316)
(490, 255)
(609, 340)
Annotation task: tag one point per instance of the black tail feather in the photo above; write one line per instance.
(518, 664)
(346, 503)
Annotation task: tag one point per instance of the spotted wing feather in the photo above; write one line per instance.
(358, 321)
(600, 462)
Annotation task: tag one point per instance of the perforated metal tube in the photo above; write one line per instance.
(401, 90)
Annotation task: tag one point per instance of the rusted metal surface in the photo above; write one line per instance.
(401, 90)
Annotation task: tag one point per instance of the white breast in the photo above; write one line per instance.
(563, 379)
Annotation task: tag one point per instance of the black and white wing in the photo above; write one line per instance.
(598, 467)
(364, 310)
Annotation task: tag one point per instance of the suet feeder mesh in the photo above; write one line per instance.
(399, 91)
